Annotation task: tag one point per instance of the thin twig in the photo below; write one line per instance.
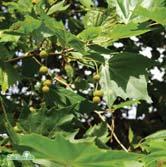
(37, 61)
(110, 128)
(19, 58)
(28, 55)
(62, 82)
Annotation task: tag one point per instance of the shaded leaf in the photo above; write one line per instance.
(4, 53)
(8, 76)
(44, 122)
(125, 66)
(99, 131)
(124, 76)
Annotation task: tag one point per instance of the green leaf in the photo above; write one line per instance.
(51, 23)
(93, 18)
(125, 65)
(156, 135)
(124, 76)
(101, 27)
(108, 32)
(7, 36)
(90, 33)
(69, 71)
(155, 142)
(156, 14)
(109, 87)
(60, 6)
(130, 135)
(81, 83)
(67, 39)
(47, 122)
(87, 3)
(63, 97)
(8, 76)
(76, 154)
(41, 33)
(155, 145)
(126, 9)
(120, 31)
(99, 131)
(21, 6)
(27, 26)
(124, 31)
(4, 53)
(70, 95)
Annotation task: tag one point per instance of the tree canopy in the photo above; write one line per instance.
(78, 85)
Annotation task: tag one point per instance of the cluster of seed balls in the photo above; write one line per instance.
(44, 70)
(97, 94)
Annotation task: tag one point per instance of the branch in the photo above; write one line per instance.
(32, 54)
(112, 131)
(28, 55)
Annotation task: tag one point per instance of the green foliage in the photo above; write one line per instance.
(65, 125)
(76, 153)
(8, 76)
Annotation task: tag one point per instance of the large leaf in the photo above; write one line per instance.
(6, 36)
(102, 28)
(125, 9)
(156, 135)
(120, 31)
(156, 14)
(124, 76)
(124, 65)
(77, 154)
(156, 145)
(155, 141)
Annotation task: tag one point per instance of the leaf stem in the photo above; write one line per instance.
(62, 82)
(37, 61)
